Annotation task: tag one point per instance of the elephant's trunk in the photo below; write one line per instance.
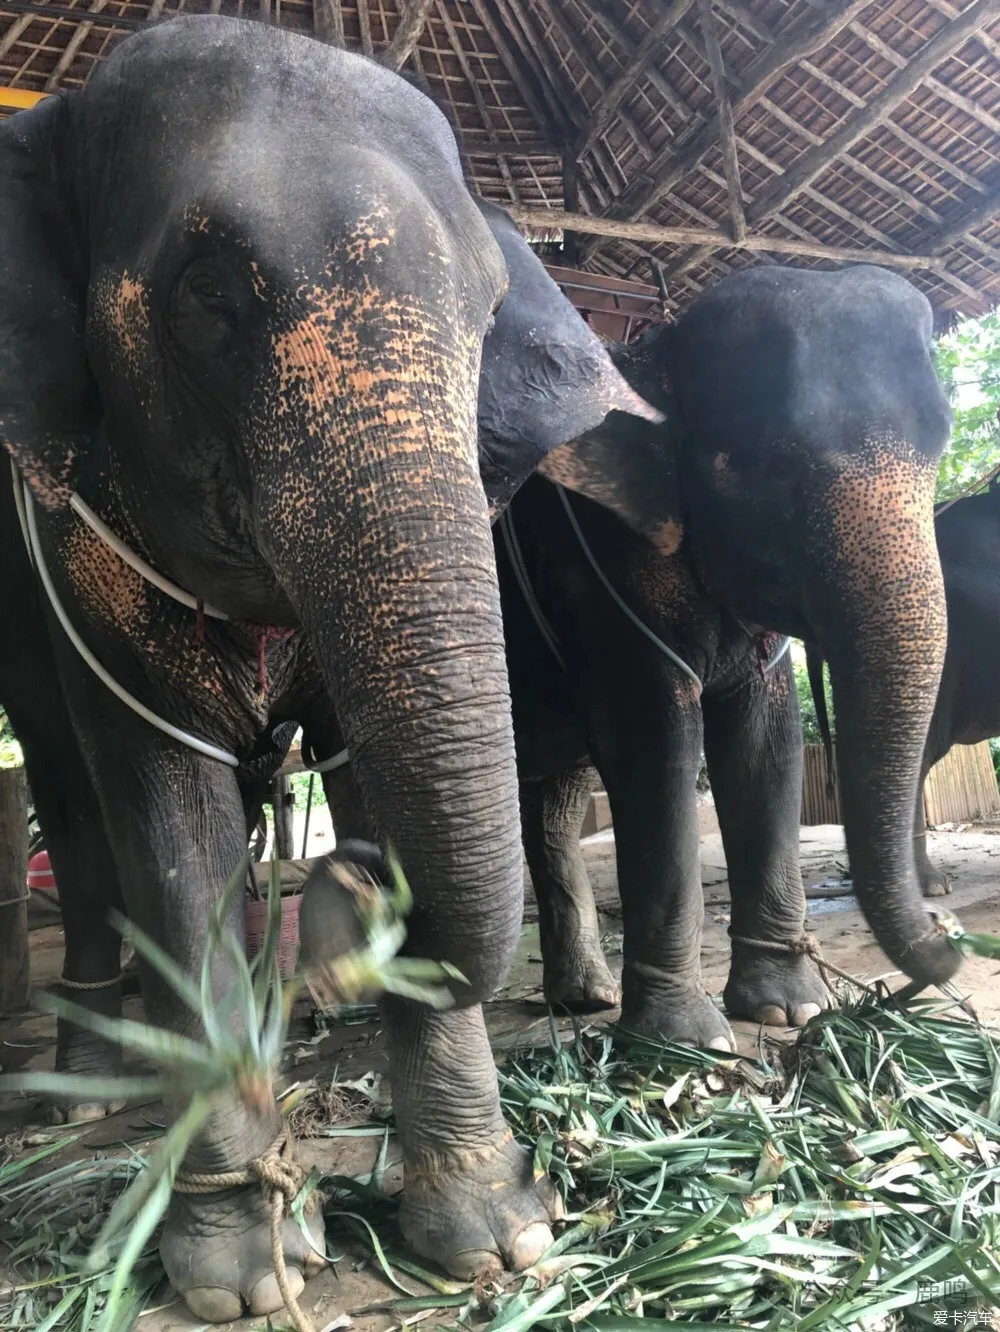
(379, 532)
(883, 628)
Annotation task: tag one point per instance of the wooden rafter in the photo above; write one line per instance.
(641, 88)
(814, 161)
(715, 240)
(805, 36)
(328, 21)
(727, 133)
(480, 101)
(956, 229)
(404, 40)
(553, 13)
(78, 38)
(643, 55)
(503, 49)
(607, 21)
(365, 28)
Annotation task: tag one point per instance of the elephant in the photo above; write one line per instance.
(968, 703)
(803, 424)
(252, 326)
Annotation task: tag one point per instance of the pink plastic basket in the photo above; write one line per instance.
(255, 915)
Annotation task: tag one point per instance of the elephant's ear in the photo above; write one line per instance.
(49, 404)
(546, 377)
(628, 465)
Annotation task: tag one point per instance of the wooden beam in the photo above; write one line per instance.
(511, 64)
(365, 26)
(526, 148)
(727, 133)
(495, 147)
(80, 34)
(574, 41)
(616, 91)
(559, 92)
(328, 22)
(608, 22)
(571, 203)
(747, 20)
(13, 34)
(411, 24)
(554, 218)
(106, 20)
(806, 35)
(955, 229)
(815, 160)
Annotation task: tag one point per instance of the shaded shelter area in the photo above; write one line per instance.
(691, 137)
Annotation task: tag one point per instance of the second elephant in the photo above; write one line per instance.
(804, 424)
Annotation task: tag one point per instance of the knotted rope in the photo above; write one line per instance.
(68, 984)
(281, 1179)
(807, 945)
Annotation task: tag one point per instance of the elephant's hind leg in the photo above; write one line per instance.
(552, 811)
(753, 747)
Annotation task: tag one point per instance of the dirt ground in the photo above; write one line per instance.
(516, 1015)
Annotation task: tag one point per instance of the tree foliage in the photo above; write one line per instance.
(968, 365)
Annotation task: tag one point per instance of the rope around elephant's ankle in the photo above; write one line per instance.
(280, 1178)
(89, 985)
(807, 945)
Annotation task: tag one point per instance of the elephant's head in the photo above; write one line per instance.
(810, 421)
(244, 292)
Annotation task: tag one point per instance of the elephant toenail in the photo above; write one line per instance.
(266, 1297)
(213, 1304)
(530, 1245)
(803, 1013)
(313, 1263)
(468, 1264)
(772, 1015)
(721, 1043)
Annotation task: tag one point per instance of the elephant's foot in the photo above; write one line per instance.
(86, 1054)
(480, 1211)
(659, 1010)
(216, 1250)
(933, 881)
(581, 983)
(781, 989)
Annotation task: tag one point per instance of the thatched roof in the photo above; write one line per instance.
(706, 134)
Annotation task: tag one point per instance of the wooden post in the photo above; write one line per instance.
(283, 803)
(14, 967)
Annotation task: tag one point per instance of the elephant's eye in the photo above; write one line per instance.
(202, 313)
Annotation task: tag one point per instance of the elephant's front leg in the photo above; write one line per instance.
(753, 746)
(86, 875)
(647, 745)
(176, 824)
(470, 1199)
(552, 811)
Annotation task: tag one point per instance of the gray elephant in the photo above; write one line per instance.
(243, 300)
(804, 421)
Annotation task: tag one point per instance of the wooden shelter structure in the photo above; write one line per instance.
(666, 140)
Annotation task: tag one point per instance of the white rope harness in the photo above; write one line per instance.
(26, 517)
(513, 547)
(26, 512)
